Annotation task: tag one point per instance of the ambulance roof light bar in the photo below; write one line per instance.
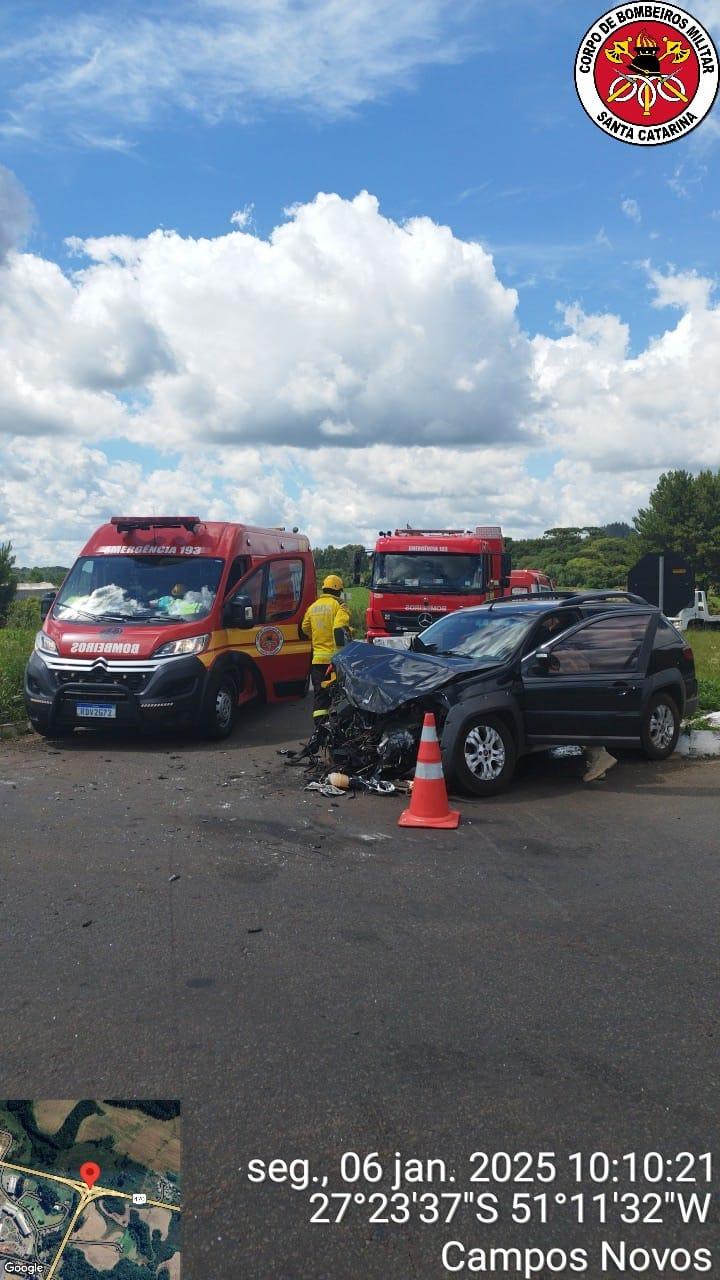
(126, 524)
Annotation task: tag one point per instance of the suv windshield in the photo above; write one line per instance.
(139, 588)
(476, 635)
(412, 571)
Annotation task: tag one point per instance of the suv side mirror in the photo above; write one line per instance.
(239, 612)
(46, 603)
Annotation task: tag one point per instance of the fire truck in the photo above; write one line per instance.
(530, 582)
(419, 575)
(172, 620)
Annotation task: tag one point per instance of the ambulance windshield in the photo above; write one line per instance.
(139, 588)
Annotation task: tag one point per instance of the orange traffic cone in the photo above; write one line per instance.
(428, 800)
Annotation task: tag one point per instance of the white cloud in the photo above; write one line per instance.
(628, 414)
(15, 213)
(343, 323)
(332, 494)
(631, 209)
(346, 374)
(684, 289)
(94, 68)
(243, 218)
(82, 487)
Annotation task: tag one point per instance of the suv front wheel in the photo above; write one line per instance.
(484, 756)
(660, 727)
(218, 714)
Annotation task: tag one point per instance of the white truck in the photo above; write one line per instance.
(696, 615)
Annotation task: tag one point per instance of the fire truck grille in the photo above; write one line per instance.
(133, 680)
(399, 621)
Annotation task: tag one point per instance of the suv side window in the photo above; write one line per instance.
(610, 644)
(666, 637)
(552, 625)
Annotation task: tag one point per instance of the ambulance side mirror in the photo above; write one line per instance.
(46, 603)
(239, 612)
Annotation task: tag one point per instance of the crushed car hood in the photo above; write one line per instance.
(379, 679)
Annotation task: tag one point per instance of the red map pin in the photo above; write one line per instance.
(90, 1172)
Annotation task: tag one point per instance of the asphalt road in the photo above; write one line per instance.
(319, 981)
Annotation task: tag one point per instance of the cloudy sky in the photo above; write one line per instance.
(340, 266)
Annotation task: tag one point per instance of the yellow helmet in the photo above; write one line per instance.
(333, 583)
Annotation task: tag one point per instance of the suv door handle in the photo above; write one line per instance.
(624, 688)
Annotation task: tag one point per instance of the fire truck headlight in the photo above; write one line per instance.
(174, 648)
(45, 643)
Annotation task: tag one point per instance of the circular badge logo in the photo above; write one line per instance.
(647, 74)
(269, 640)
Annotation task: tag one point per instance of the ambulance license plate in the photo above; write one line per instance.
(96, 710)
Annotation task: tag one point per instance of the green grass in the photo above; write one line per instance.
(706, 647)
(357, 602)
(15, 649)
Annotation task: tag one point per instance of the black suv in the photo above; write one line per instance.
(523, 674)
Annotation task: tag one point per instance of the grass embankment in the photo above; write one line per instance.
(706, 647)
(357, 602)
(16, 645)
(15, 649)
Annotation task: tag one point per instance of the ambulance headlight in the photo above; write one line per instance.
(45, 643)
(175, 648)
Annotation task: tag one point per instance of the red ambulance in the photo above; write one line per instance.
(172, 620)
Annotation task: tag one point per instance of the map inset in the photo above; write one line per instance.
(121, 1220)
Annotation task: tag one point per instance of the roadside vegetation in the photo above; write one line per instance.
(706, 647)
(357, 602)
(15, 649)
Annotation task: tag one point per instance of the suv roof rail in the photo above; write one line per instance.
(575, 597)
(586, 597)
(536, 595)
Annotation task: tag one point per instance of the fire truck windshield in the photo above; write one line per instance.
(139, 588)
(432, 572)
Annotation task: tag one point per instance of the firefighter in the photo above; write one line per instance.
(326, 624)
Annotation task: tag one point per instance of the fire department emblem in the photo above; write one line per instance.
(269, 640)
(647, 73)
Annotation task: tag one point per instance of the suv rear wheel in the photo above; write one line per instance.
(660, 727)
(484, 756)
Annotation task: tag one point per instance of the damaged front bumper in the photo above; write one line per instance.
(359, 743)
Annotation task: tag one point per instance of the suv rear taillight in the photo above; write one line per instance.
(688, 653)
